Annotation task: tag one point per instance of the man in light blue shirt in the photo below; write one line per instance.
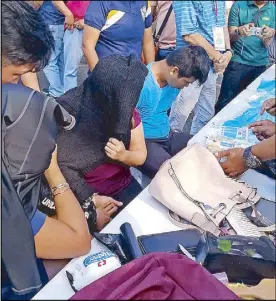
(162, 85)
(195, 21)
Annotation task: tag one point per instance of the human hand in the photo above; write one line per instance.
(216, 56)
(245, 29)
(69, 21)
(105, 208)
(267, 32)
(102, 201)
(79, 24)
(223, 62)
(115, 150)
(269, 106)
(234, 164)
(263, 129)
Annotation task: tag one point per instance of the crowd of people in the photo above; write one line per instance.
(67, 151)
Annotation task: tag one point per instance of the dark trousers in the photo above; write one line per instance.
(235, 79)
(129, 193)
(161, 150)
(163, 53)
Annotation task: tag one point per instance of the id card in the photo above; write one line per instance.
(219, 40)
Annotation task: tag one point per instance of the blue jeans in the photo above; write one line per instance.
(199, 99)
(163, 53)
(54, 69)
(72, 57)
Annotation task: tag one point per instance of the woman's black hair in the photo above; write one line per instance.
(26, 39)
(192, 61)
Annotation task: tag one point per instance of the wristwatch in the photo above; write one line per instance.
(236, 32)
(250, 160)
(231, 50)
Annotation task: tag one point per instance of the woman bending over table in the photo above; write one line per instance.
(107, 139)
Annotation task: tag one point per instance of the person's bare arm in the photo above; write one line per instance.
(137, 153)
(265, 150)
(234, 164)
(67, 236)
(148, 46)
(198, 40)
(243, 31)
(267, 35)
(69, 17)
(89, 42)
(30, 80)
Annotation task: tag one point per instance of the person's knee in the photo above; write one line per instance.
(179, 141)
(156, 156)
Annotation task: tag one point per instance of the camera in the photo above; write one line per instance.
(256, 31)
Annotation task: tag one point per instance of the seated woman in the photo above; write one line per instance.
(29, 130)
(108, 138)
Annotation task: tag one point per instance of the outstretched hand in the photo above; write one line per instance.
(234, 164)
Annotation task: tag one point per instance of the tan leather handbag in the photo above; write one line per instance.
(193, 185)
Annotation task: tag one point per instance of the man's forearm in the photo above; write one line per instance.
(227, 38)
(265, 150)
(198, 40)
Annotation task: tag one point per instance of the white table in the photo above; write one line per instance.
(148, 216)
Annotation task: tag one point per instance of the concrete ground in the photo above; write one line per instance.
(82, 74)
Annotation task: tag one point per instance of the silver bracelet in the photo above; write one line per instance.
(60, 186)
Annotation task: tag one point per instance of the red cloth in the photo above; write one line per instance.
(78, 8)
(157, 276)
(110, 179)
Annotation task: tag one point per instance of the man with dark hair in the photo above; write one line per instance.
(26, 46)
(29, 235)
(162, 85)
(200, 23)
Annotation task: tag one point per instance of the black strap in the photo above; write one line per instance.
(157, 36)
(256, 17)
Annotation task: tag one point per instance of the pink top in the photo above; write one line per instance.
(78, 8)
(168, 36)
(109, 179)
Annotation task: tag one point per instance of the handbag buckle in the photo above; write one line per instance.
(217, 210)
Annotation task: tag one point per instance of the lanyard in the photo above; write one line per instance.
(215, 8)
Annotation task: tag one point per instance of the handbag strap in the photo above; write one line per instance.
(157, 36)
(257, 16)
(178, 222)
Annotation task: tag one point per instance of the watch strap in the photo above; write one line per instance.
(248, 157)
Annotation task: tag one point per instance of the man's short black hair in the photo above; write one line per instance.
(26, 39)
(192, 61)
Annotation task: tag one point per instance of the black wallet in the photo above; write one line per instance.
(168, 241)
(245, 260)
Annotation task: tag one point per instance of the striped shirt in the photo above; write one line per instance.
(197, 17)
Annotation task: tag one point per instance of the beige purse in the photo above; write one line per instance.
(193, 185)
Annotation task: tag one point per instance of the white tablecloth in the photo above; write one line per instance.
(148, 216)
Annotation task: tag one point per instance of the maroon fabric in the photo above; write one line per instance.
(157, 276)
(110, 179)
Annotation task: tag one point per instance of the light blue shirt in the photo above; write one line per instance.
(197, 17)
(153, 104)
